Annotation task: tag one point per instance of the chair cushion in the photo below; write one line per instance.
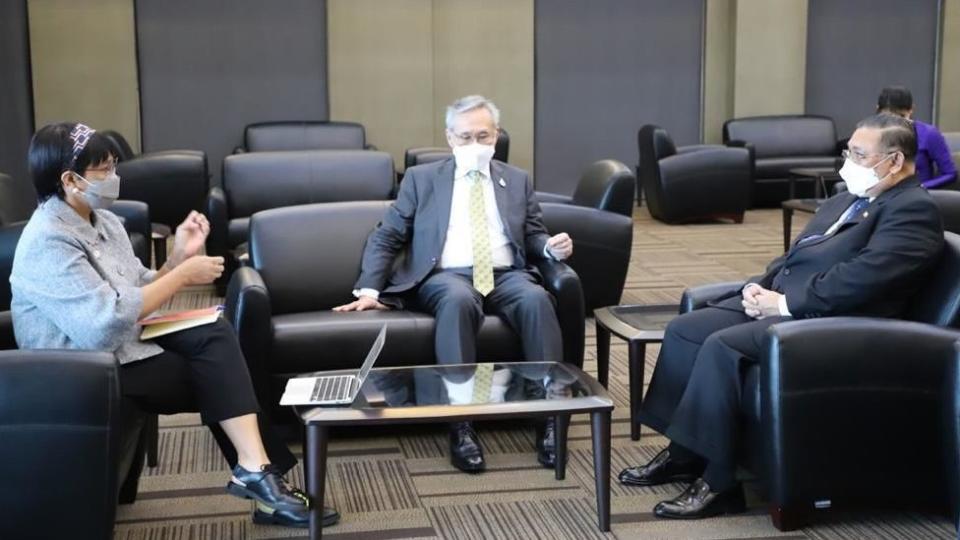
(326, 340)
(779, 167)
(263, 180)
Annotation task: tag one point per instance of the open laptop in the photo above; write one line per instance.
(333, 389)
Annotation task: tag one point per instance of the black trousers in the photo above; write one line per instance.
(517, 297)
(694, 396)
(202, 369)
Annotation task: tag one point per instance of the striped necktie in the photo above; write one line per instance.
(482, 383)
(480, 232)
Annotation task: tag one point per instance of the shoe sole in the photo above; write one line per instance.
(734, 507)
(240, 491)
(262, 518)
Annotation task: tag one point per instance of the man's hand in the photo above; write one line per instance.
(760, 303)
(362, 304)
(190, 237)
(560, 246)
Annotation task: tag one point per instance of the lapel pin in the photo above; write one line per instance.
(866, 214)
(503, 183)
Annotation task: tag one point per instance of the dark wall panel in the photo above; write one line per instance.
(603, 69)
(209, 68)
(856, 47)
(16, 102)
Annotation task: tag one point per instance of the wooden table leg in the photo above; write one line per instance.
(603, 354)
(560, 443)
(315, 461)
(787, 224)
(637, 351)
(600, 423)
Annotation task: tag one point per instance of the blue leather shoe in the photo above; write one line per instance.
(268, 487)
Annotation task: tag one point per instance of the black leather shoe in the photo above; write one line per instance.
(268, 487)
(264, 515)
(547, 443)
(465, 451)
(697, 501)
(662, 469)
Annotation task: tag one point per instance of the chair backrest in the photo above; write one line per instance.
(949, 203)
(607, 185)
(281, 136)
(938, 302)
(784, 135)
(263, 180)
(172, 183)
(18, 199)
(9, 236)
(309, 256)
(653, 144)
(120, 145)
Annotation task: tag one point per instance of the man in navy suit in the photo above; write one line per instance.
(471, 227)
(865, 252)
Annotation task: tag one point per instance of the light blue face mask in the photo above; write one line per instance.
(100, 194)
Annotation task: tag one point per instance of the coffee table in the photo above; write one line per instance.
(419, 394)
(789, 206)
(638, 324)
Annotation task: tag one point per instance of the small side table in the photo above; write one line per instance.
(638, 325)
(789, 206)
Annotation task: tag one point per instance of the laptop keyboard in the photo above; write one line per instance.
(333, 388)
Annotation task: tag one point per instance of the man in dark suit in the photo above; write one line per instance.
(471, 227)
(865, 252)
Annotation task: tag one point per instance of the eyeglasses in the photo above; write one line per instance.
(860, 157)
(110, 168)
(482, 137)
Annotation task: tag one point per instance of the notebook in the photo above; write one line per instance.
(162, 325)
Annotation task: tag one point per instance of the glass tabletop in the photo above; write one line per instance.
(484, 389)
(645, 322)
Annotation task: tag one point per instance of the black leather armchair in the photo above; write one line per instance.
(820, 406)
(692, 183)
(428, 154)
(949, 203)
(280, 306)
(258, 181)
(320, 135)
(780, 143)
(65, 447)
(605, 185)
(171, 182)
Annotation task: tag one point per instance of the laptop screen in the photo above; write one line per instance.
(371, 356)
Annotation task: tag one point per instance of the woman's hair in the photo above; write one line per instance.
(895, 99)
(66, 146)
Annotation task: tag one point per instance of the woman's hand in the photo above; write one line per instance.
(200, 270)
(190, 237)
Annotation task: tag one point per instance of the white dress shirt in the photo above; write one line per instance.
(458, 248)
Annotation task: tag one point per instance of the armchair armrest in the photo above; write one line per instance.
(247, 308)
(217, 213)
(697, 297)
(561, 281)
(370, 147)
(832, 389)
(547, 197)
(240, 149)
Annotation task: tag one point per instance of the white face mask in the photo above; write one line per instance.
(860, 179)
(101, 194)
(473, 157)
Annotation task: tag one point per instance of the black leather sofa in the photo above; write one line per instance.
(821, 408)
(692, 183)
(780, 143)
(305, 260)
(303, 135)
(71, 446)
(258, 181)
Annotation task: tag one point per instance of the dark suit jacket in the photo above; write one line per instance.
(871, 266)
(417, 222)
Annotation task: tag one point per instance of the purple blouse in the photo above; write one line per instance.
(933, 156)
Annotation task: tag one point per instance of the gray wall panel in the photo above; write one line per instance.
(603, 69)
(856, 47)
(209, 68)
(16, 107)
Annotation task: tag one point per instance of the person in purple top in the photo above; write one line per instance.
(934, 165)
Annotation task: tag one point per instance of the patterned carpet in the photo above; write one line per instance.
(399, 483)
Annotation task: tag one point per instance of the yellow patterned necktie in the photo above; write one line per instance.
(482, 383)
(482, 258)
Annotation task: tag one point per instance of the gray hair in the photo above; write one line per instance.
(469, 103)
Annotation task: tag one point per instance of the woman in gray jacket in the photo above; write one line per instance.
(77, 284)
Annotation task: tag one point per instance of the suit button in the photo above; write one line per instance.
(786, 271)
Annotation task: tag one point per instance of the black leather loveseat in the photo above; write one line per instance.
(305, 260)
